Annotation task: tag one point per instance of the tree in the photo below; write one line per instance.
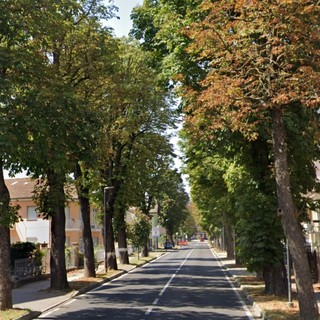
(54, 136)
(256, 57)
(266, 55)
(5, 274)
(98, 57)
(157, 25)
(219, 175)
(149, 166)
(192, 221)
(83, 190)
(141, 231)
(142, 112)
(16, 57)
(172, 200)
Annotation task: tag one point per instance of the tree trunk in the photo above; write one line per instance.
(170, 237)
(122, 237)
(122, 246)
(229, 240)
(274, 280)
(83, 193)
(145, 251)
(5, 260)
(56, 202)
(89, 263)
(306, 297)
(110, 261)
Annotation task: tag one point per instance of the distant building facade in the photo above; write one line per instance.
(34, 228)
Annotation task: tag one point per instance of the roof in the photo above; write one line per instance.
(20, 188)
(23, 188)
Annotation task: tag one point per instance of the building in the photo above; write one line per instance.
(35, 229)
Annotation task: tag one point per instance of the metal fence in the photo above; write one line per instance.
(26, 268)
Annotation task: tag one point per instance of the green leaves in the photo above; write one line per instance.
(141, 229)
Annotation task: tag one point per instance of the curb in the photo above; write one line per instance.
(31, 315)
(97, 284)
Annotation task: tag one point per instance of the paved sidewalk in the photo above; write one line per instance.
(233, 271)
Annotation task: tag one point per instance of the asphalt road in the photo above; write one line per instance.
(183, 284)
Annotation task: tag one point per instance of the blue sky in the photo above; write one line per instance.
(123, 25)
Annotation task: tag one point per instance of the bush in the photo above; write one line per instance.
(24, 250)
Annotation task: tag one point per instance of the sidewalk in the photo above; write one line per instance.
(234, 271)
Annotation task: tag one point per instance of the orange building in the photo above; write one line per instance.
(33, 228)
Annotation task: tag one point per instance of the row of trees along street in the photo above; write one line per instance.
(247, 74)
(77, 102)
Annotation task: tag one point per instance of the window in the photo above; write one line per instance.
(95, 241)
(81, 245)
(31, 214)
(95, 219)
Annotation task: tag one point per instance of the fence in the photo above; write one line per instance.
(26, 268)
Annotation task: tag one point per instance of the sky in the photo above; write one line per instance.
(123, 25)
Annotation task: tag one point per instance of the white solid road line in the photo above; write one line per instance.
(244, 306)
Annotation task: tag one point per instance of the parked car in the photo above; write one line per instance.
(168, 245)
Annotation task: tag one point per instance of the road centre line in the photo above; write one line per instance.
(148, 311)
(167, 285)
(179, 268)
(155, 302)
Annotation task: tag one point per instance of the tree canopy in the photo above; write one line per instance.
(258, 67)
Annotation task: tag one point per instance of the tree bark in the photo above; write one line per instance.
(5, 267)
(56, 197)
(122, 246)
(83, 192)
(110, 261)
(122, 237)
(229, 240)
(306, 297)
(145, 251)
(274, 279)
(89, 263)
